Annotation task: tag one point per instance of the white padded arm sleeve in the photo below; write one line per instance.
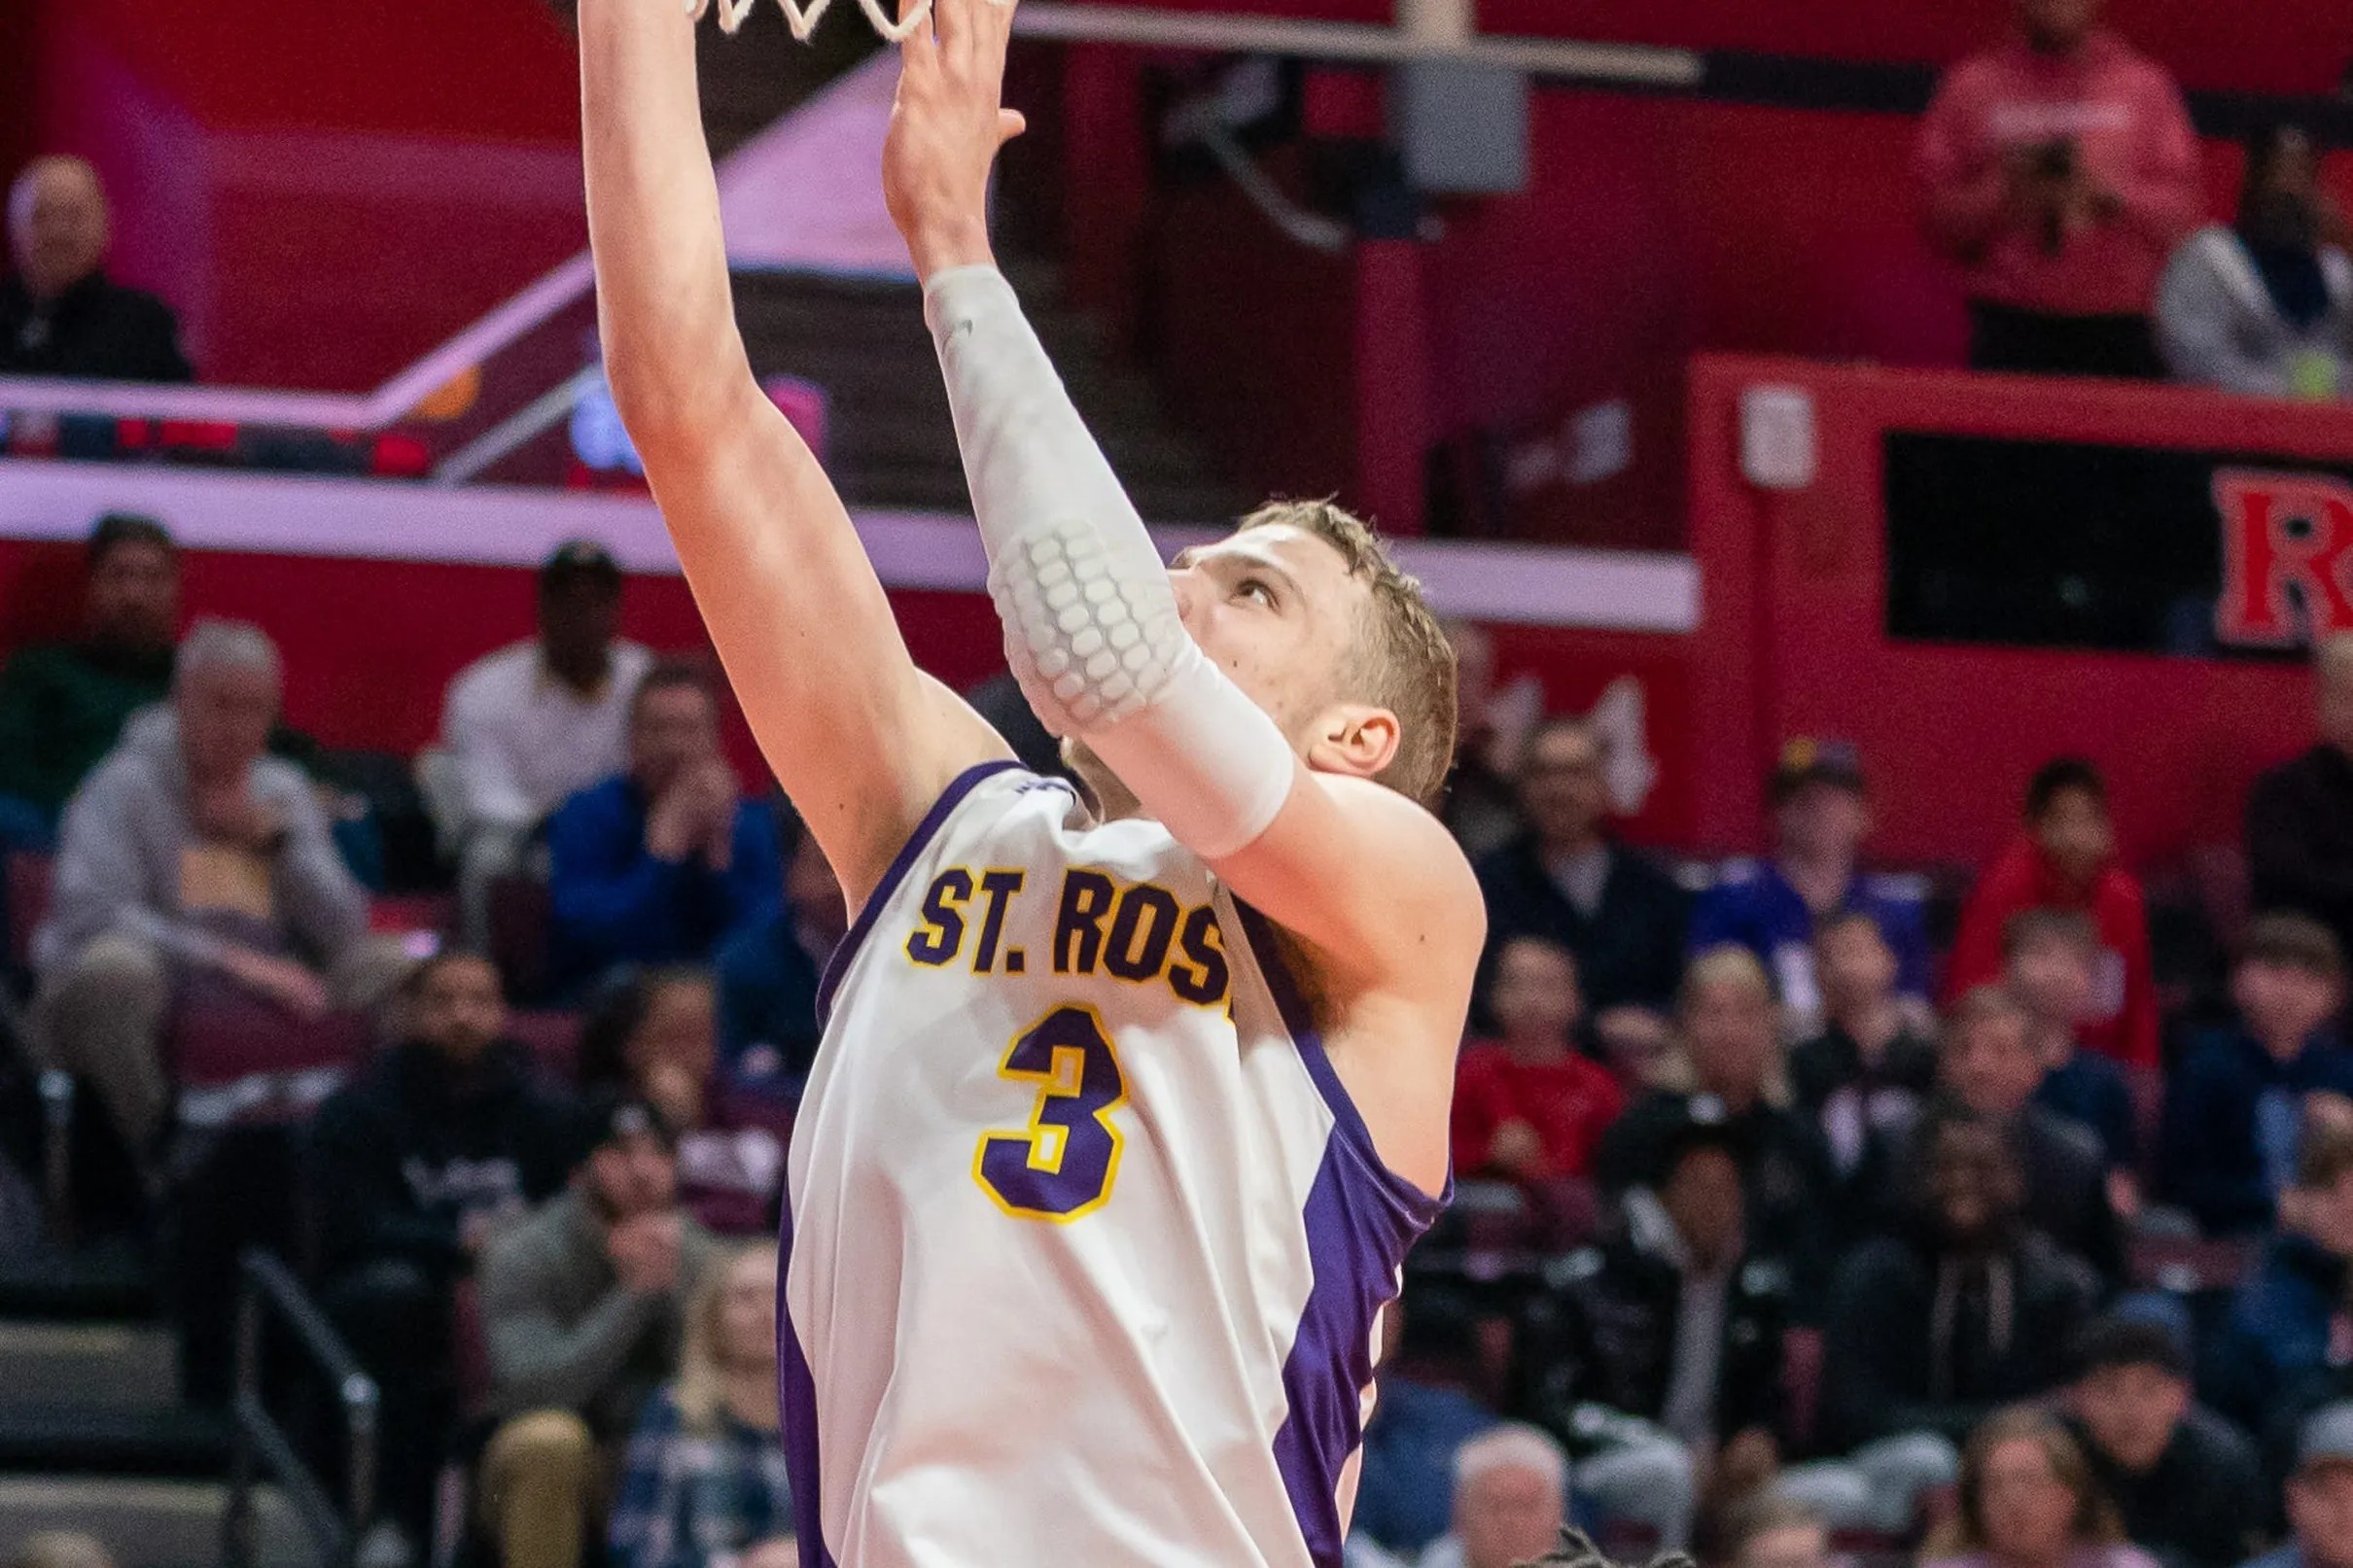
(1091, 624)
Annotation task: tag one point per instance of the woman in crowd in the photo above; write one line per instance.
(2028, 1500)
(655, 1033)
(705, 1485)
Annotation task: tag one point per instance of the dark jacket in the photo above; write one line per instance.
(2092, 1092)
(1631, 953)
(2299, 839)
(1887, 1374)
(95, 330)
(2201, 1505)
(2230, 1102)
(2066, 1190)
(1863, 1113)
(404, 1155)
(1603, 1332)
(1792, 1185)
(2277, 1358)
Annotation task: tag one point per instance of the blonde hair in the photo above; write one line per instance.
(1407, 664)
(701, 1380)
(1728, 963)
(2096, 1521)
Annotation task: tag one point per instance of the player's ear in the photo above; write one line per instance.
(1355, 739)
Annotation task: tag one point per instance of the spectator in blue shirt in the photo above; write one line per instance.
(2280, 1355)
(2235, 1104)
(1405, 1491)
(769, 977)
(664, 863)
(705, 1483)
(1771, 907)
(2051, 959)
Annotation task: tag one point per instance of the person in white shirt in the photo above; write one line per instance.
(532, 723)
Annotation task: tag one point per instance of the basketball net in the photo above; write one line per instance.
(803, 19)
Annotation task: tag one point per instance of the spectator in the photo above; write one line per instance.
(1862, 1079)
(1968, 1308)
(59, 314)
(769, 977)
(1528, 1107)
(582, 1310)
(529, 726)
(655, 1034)
(1771, 1531)
(1567, 880)
(64, 705)
(414, 1166)
(2028, 1500)
(2051, 964)
(2280, 1353)
(2184, 1482)
(2264, 307)
(2320, 1496)
(1421, 1419)
(2300, 815)
(2060, 170)
(2234, 1107)
(189, 857)
(666, 861)
(705, 1485)
(1511, 1500)
(1734, 1060)
(1482, 807)
(1988, 1064)
(2066, 859)
(1657, 1356)
(1772, 908)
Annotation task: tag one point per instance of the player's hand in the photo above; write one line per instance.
(946, 126)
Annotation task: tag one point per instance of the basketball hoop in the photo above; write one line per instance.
(803, 19)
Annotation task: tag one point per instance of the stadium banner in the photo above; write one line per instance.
(2128, 549)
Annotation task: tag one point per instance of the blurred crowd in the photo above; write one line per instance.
(1804, 1202)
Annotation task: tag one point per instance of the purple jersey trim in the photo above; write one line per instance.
(797, 1405)
(904, 862)
(1361, 1218)
(1291, 1003)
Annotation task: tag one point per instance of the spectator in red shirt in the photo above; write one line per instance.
(1529, 1107)
(2060, 169)
(2066, 859)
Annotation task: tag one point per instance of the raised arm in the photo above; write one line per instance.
(863, 742)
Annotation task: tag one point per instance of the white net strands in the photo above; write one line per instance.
(803, 18)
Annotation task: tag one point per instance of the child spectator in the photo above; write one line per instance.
(2066, 859)
(2183, 1480)
(2281, 1352)
(2028, 1500)
(1988, 1064)
(1529, 1107)
(1864, 1076)
(1820, 819)
(705, 1483)
(583, 1306)
(2051, 960)
(1733, 1073)
(1611, 1362)
(2232, 1113)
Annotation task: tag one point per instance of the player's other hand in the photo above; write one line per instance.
(946, 126)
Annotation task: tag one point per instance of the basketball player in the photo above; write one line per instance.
(1125, 1113)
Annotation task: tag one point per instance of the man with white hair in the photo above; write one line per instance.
(59, 313)
(2300, 816)
(1511, 1500)
(189, 853)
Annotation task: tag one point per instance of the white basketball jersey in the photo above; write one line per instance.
(1084, 1243)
